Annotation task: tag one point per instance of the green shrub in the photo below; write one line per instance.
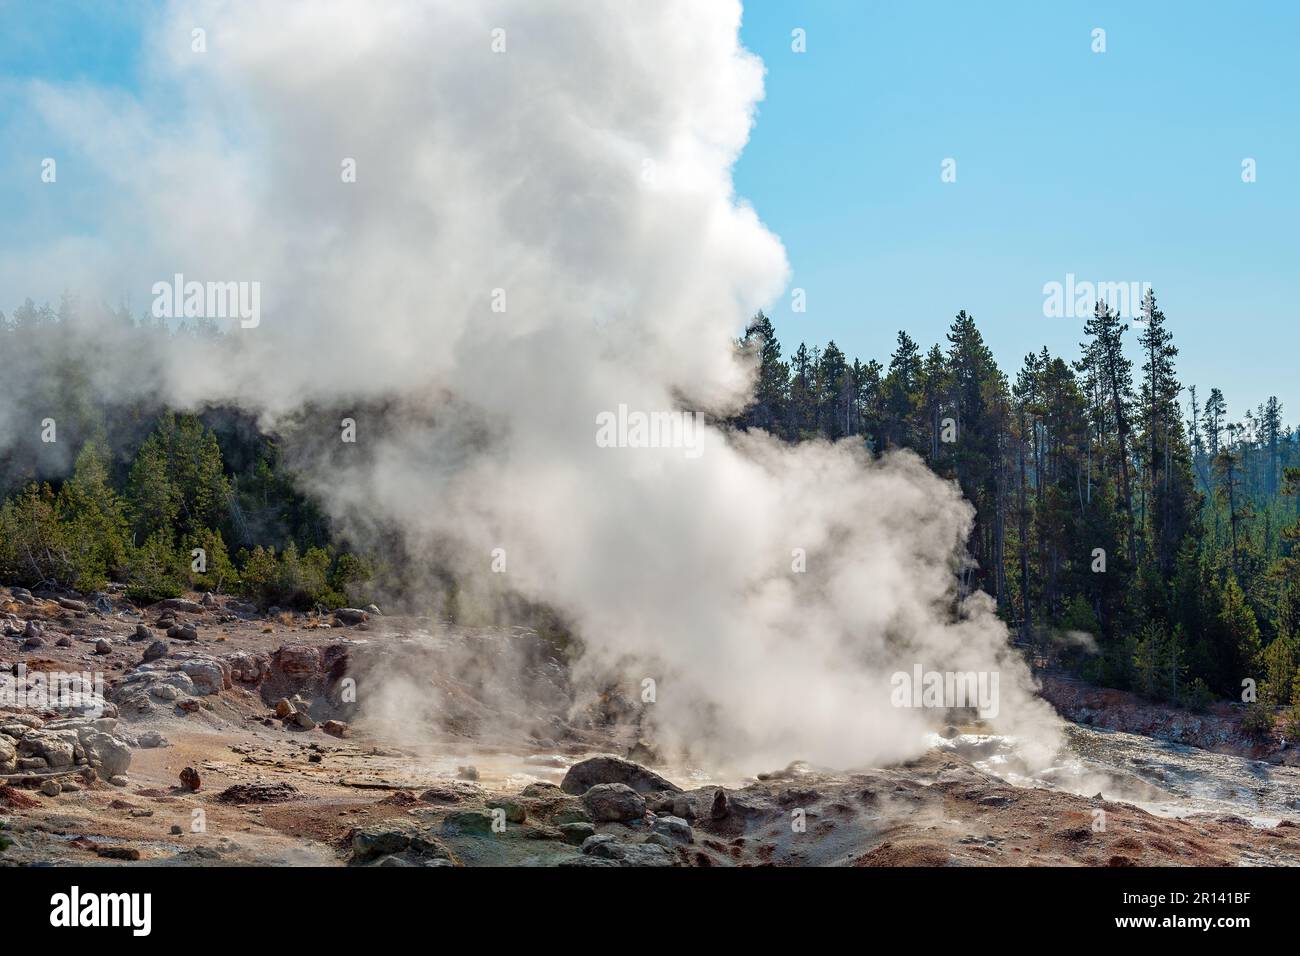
(1258, 720)
(1197, 696)
(219, 572)
(301, 581)
(34, 545)
(155, 570)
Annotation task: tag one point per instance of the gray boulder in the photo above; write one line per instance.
(603, 846)
(585, 774)
(613, 802)
(180, 604)
(112, 753)
(675, 828)
(57, 748)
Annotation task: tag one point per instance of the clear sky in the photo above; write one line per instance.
(1117, 166)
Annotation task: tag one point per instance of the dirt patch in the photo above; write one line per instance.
(16, 799)
(258, 793)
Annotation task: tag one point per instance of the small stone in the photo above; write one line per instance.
(468, 821)
(155, 650)
(674, 828)
(720, 809)
(576, 833)
(142, 633)
(118, 852)
(51, 788)
(300, 719)
(467, 773)
(514, 810)
(119, 781)
(336, 728)
(64, 641)
(182, 632)
(103, 646)
(190, 779)
(660, 839)
(283, 708)
(176, 829)
(575, 813)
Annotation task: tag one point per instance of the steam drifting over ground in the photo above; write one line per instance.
(536, 236)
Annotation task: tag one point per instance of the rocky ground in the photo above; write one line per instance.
(1218, 729)
(230, 738)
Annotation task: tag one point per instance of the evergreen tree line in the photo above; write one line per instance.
(1128, 526)
(97, 487)
(1129, 529)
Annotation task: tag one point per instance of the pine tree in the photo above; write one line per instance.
(154, 502)
(768, 409)
(902, 388)
(95, 519)
(1110, 376)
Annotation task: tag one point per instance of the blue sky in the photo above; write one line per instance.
(1115, 166)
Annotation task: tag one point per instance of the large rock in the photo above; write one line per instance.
(468, 821)
(576, 833)
(602, 846)
(350, 615)
(380, 841)
(210, 676)
(57, 748)
(584, 775)
(179, 604)
(371, 842)
(137, 692)
(112, 753)
(675, 828)
(8, 755)
(613, 802)
(336, 728)
(297, 662)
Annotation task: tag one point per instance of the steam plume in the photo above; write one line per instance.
(582, 177)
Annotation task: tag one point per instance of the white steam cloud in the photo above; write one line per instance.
(583, 177)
